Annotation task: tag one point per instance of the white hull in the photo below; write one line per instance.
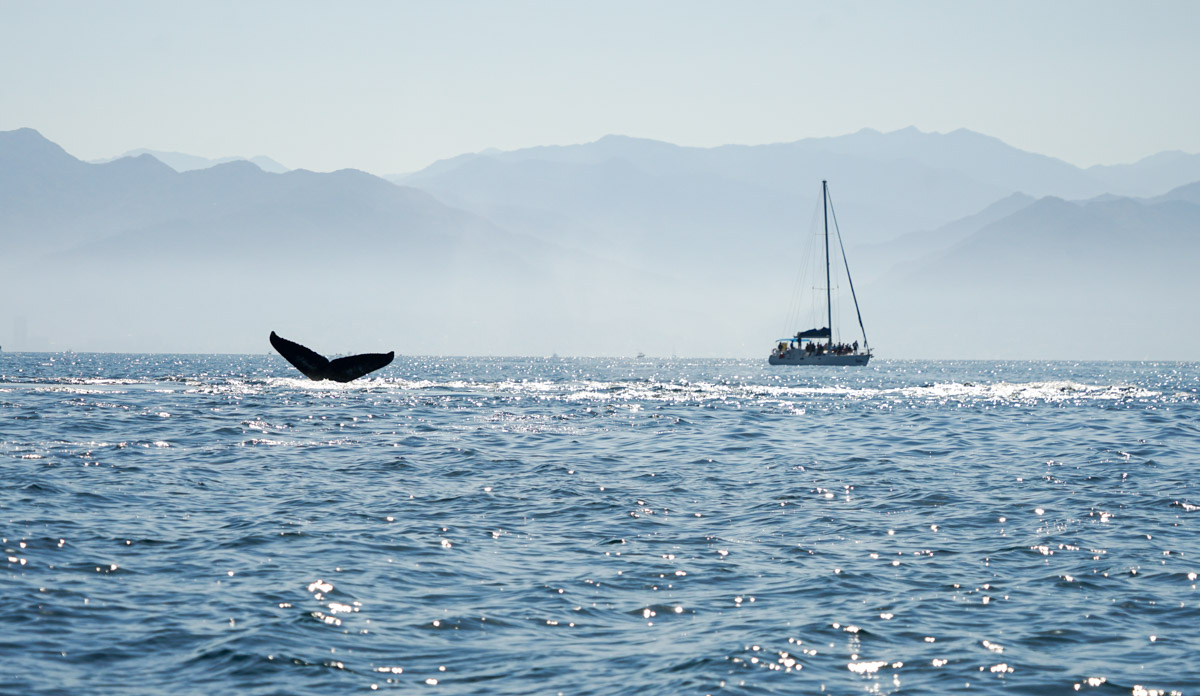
(795, 356)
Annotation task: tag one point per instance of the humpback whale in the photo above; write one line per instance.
(316, 366)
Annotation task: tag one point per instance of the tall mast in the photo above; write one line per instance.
(828, 285)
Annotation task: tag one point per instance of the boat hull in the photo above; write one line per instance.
(801, 357)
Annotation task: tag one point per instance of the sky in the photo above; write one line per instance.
(392, 86)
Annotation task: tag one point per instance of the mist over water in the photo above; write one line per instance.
(961, 246)
(507, 526)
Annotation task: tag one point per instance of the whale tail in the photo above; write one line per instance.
(315, 366)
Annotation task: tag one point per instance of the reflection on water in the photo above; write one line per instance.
(598, 526)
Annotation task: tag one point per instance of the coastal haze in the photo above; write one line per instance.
(961, 246)
(539, 179)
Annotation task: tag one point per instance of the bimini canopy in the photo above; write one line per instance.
(814, 333)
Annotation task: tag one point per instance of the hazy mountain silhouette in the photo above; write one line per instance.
(1189, 193)
(182, 162)
(628, 188)
(1111, 277)
(131, 255)
(873, 260)
(610, 248)
(1149, 176)
(975, 229)
(55, 204)
(50, 200)
(887, 184)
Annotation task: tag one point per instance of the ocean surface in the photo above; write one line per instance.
(211, 524)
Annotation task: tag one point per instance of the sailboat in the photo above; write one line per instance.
(816, 346)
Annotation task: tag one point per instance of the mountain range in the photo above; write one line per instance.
(183, 162)
(962, 247)
(1110, 276)
(887, 185)
(131, 255)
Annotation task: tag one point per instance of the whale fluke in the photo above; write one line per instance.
(316, 366)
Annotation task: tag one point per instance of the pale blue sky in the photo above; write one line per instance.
(390, 87)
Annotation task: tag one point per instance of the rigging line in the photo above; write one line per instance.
(801, 289)
(848, 278)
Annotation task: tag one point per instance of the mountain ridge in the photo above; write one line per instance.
(183, 162)
(633, 258)
(910, 180)
(146, 258)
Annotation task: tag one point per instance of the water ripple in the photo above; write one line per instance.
(505, 526)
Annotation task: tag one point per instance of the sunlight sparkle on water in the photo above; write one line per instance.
(750, 484)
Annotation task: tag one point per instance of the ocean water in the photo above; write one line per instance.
(212, 524)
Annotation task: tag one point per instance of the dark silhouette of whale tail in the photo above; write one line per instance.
(316, 366)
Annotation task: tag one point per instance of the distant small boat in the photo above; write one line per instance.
(806, 347)
(641, 354)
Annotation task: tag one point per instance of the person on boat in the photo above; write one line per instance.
(855, 346)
